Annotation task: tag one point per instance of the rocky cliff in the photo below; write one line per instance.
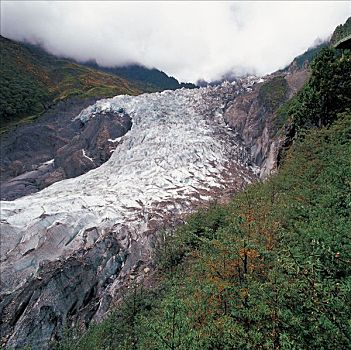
(253, 116)
(57, 147)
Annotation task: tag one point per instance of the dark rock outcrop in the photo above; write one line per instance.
(252, 117)
(57, 147)
(93, 145)
(35, 313)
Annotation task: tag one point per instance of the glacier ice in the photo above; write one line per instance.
(178, 154)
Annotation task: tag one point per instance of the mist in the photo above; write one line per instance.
(188, 40)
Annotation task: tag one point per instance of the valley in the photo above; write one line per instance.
(178, 154)
(134, 216)
(119, 172)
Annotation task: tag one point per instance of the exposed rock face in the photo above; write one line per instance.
(36, 312)
(35, 143)
(251, 121)
(251, 118)
(37, 155)
(94, 145)
(67, 250)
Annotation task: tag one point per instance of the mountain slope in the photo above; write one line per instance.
(178, 155)
(183, 150)
(32, 80)
(271, 270)
(305, 59)
(342, 32)
(150, 80)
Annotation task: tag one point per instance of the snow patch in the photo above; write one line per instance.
(115, 140)
(51, 161)
(85, 156)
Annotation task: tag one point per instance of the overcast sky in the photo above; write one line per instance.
(189, 40)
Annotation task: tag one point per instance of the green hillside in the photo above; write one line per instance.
(270, 270)
(32, 80)
(148, 79)
(306, 58)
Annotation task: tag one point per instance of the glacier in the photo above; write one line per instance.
(179, 155)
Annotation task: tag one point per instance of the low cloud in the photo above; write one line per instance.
(189, 40)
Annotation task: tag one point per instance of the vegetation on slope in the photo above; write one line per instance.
(148, 79)
(304, 60)
(32, 80)
(273, 93)
(341, 32)
(271, 270)
(326, 94)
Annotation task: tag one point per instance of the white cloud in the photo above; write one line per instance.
(190, 40)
